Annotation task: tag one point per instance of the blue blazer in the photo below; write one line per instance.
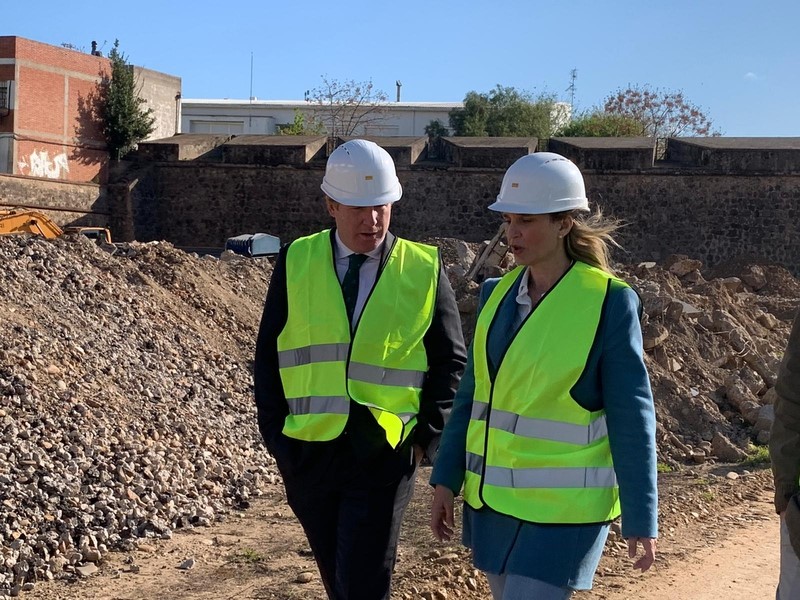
(615, 379)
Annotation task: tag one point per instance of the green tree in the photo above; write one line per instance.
(504, 112)
(126, 121)
(601, 124)
(471, 120)
(436, 129)
(660, 113)
(299, 126)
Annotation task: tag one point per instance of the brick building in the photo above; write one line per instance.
(46, 124)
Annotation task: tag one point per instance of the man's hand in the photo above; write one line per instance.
(646, 561)
(442, 513)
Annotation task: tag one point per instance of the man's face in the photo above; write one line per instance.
(361, 228)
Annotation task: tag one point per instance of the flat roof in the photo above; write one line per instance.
(744, 143)
(256, 139)
(303, 103)
(492, 142)
(187, 138)
(389, 141)
(611, 143)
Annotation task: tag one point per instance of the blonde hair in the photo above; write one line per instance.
(591, 238)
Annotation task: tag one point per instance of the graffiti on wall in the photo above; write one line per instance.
(39, 164)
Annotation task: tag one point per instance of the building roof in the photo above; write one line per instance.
(304, 104)
(610, 143)
(744, 143)
(249, 139)
(491, 142)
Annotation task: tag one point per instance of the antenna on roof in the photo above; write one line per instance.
(250, 108)
(251, 76)
(573, 75)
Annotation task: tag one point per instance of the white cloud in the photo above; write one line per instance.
(750, 76)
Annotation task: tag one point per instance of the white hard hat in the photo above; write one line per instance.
(541, 183)
(361, 173)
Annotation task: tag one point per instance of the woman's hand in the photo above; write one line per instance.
(442, 513)
(649, 545)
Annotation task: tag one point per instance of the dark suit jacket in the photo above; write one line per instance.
(784, 441)
(360, 456)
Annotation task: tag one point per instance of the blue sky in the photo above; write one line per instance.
(738, 60)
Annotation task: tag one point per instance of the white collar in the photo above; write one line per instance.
(523, 299)
(343, 251)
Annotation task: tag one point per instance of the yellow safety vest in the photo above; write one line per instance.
(542, 458)
(382, 365)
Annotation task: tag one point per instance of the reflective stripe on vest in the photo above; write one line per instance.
(532, 451)
(572, 477)
(544, 429)
(383, 367)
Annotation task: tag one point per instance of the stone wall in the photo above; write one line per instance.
(84, 204)
(709, 217)
(737, 155)
(193, 205)
(670, 207)
(617, 154)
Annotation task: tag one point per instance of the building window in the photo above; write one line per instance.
(5, 97)
(223, 127)
(381, 130)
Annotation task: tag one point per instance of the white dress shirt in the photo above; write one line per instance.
(366, 276)
(524, 303)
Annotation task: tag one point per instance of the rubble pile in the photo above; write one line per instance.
(126, 391)
(125, 399)
(712, 346)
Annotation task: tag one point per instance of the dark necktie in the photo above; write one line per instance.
(350, 283)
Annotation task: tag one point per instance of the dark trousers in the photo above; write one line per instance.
(353, 533)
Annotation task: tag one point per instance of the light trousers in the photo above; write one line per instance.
(789, 583)
(516, 587)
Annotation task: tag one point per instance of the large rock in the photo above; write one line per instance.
(725, 450)
(654, 335)
(754, 277)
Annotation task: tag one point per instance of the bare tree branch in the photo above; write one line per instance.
(660, 113)
(345, 106)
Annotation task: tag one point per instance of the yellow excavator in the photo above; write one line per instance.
(21, 220)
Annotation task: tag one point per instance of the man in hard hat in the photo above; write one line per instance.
(358, 357)
(784, 450)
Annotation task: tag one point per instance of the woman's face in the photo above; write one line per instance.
(536, 239)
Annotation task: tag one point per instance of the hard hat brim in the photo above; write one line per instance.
(347, 199)
(556, 206)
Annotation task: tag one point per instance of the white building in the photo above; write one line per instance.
(263, 116)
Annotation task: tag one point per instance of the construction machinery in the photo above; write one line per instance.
(22, 220)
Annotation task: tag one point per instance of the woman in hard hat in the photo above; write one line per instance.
(552, 434)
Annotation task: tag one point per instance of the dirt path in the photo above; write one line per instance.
(743, 566)
(730, 553)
